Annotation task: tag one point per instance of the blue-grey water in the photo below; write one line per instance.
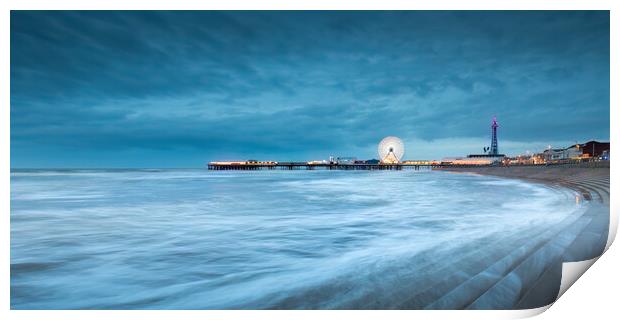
(197, 239)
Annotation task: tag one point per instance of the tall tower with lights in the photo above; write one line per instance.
(494, 127)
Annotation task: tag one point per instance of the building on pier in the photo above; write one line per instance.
(346, 160)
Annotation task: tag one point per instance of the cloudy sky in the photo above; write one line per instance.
(178, 89)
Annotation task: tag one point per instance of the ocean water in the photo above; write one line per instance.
(198, 239)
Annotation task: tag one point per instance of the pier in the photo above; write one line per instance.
(315, 166)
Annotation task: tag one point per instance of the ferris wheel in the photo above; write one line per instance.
(391, 150)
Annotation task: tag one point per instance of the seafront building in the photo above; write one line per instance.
(573, 152)
(554, 154)
(578, 152)
(591, 150)
(596, 149)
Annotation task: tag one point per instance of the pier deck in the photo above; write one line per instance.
(314, 166)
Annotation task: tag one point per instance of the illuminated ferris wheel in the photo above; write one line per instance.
(391, 150)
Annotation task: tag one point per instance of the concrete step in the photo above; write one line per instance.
(461, 294)
(464, 263)
(592, 240)
(589, 244)
(507, 292)
(595, 185)
(601, 191)
(442, 280)
(545, 290)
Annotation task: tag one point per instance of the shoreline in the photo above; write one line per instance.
(591, 182)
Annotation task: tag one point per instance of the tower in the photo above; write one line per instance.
(494, 126)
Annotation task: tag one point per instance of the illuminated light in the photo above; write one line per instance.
(391, 150)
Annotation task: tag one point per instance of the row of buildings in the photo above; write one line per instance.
(591, 150)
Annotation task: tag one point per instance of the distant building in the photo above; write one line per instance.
(421, 162)
(346, 160)
(488, 160)
(238, 163)
(591, 149)
(573, 152)
(260, 162)
(318, 162)
(553, 154)
(519, 160)
(538, 158)
(594, 148)
(605, 155)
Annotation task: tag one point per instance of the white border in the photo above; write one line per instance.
(314, 5)
(599, 290)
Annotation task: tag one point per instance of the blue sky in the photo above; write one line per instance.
(178, 89)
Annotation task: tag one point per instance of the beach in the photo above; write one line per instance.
(537, 280)
(591, 180)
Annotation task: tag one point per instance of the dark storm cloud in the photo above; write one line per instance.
(192, 86)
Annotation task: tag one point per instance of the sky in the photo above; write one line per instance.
(163, 89)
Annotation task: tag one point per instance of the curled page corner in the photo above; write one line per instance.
(571, 271)
(613, 229)
(528, 313)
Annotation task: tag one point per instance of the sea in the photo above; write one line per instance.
(273, 239)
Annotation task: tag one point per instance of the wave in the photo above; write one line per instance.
(200, 239)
